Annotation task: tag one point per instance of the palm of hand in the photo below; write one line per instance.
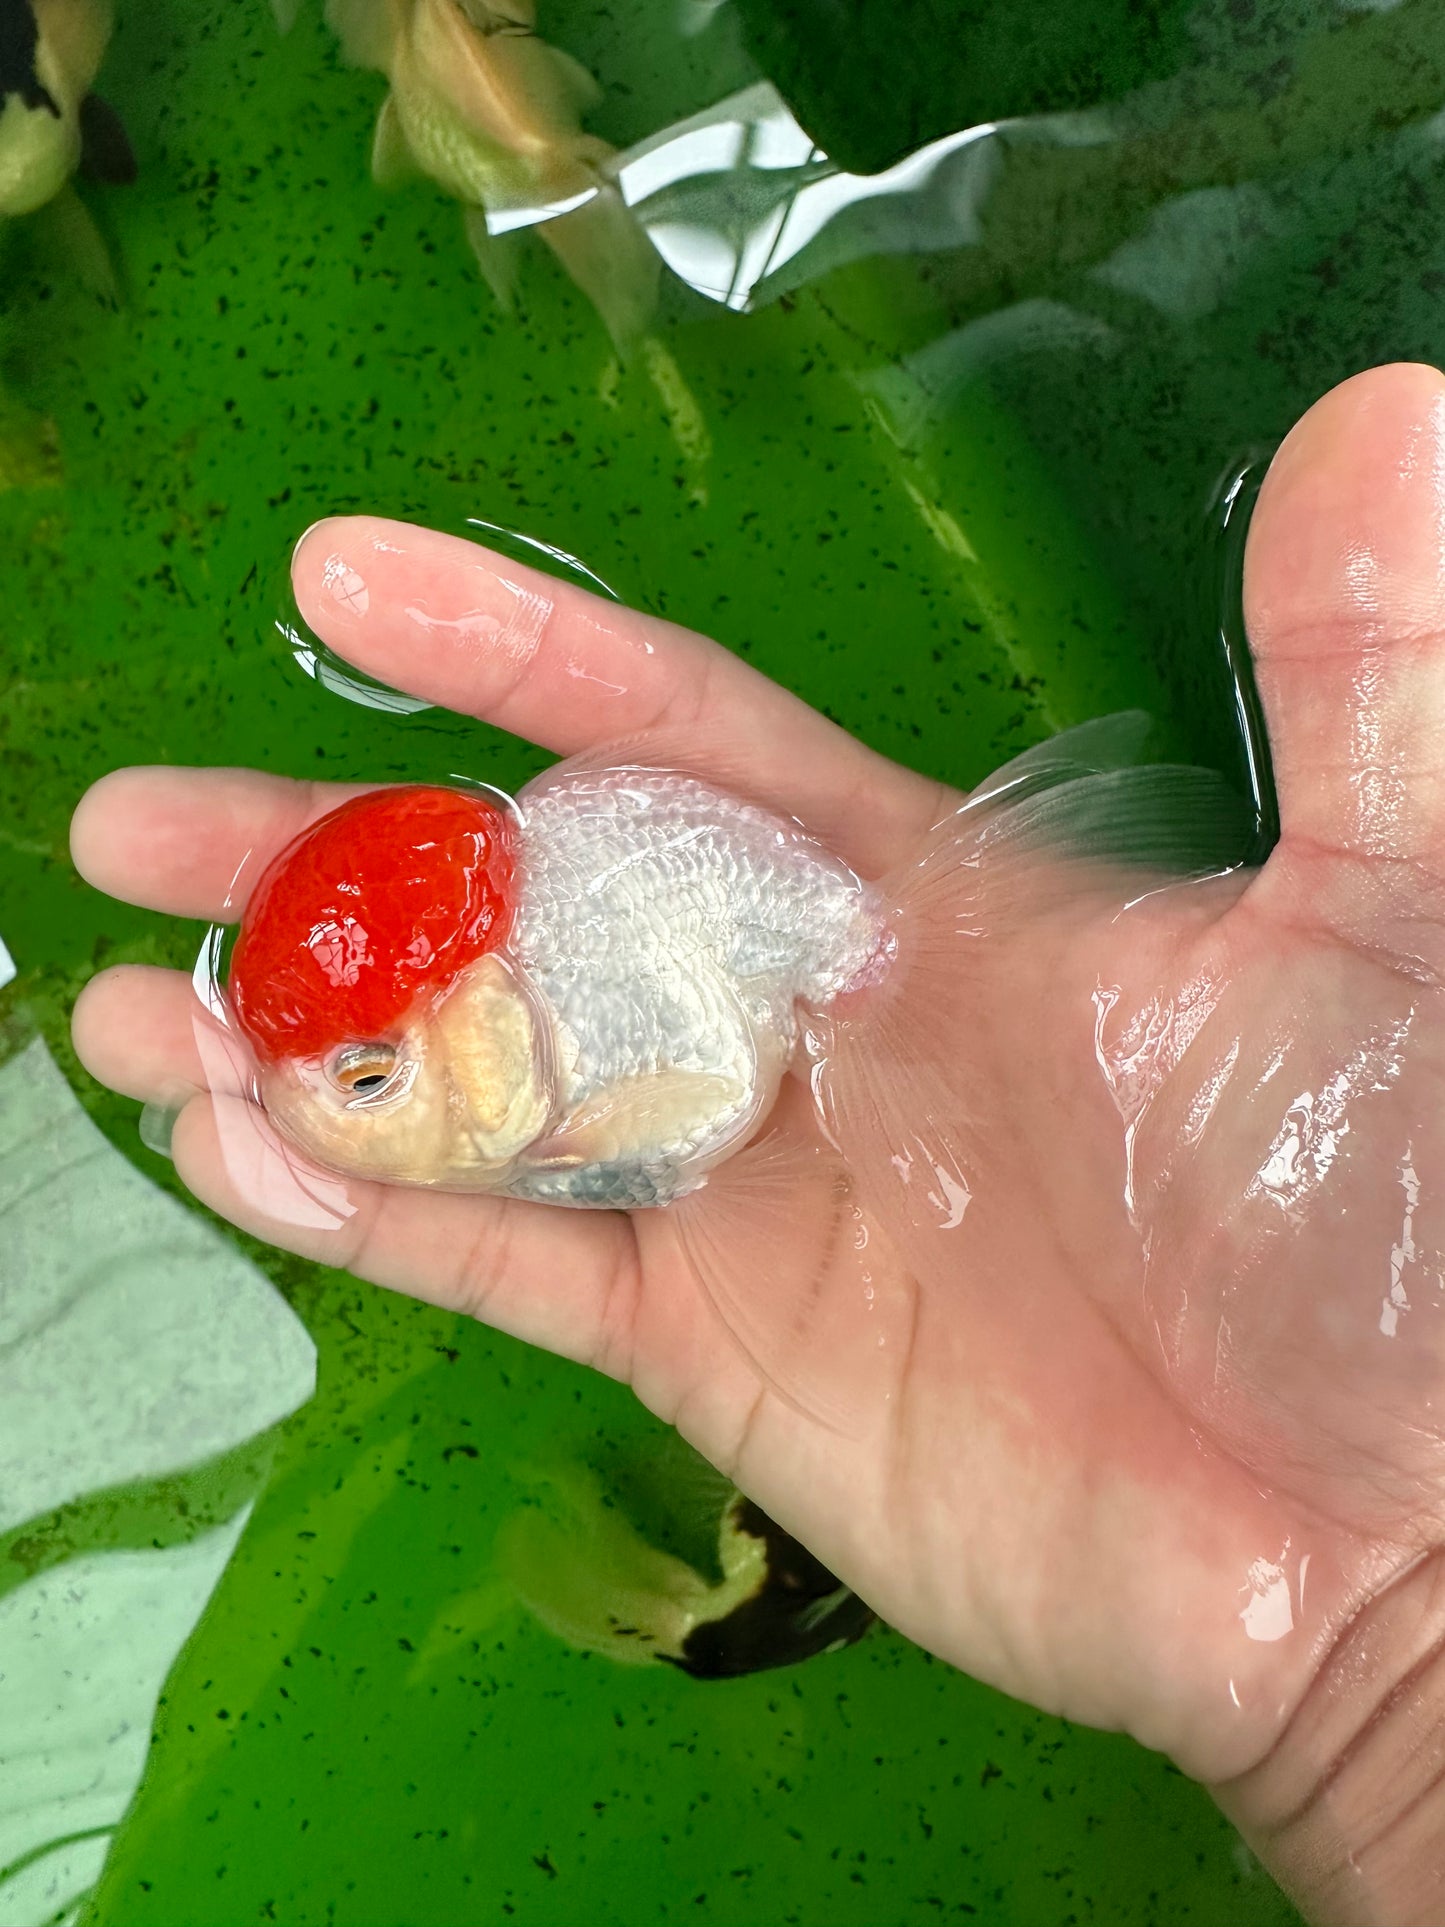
(1161, 1412)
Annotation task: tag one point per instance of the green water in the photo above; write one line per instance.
(957, 498)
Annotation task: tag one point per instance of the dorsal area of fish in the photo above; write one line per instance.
(648, 901)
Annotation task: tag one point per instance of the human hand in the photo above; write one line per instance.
(1174, 1467)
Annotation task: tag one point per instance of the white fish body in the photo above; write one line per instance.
(670, 933)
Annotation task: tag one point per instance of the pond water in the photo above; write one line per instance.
(955, 442)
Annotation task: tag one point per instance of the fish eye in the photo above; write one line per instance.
(358, 1069)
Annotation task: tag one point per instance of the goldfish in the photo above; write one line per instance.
(52, 126)
(493, 113)
(584, 1567)
(51, 123)
(587, 998)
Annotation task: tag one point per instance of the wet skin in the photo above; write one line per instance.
(1200, 1498)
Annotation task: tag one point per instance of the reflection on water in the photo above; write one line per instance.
(1055, 260)
(1222, 591)
(138, 1352)
(742, 205)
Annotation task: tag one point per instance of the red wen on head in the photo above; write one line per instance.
(381, 902)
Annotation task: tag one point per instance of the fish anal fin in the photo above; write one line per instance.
(629, 1121)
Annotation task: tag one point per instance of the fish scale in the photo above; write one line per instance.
(665, 925)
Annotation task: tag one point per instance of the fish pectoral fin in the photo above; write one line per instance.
(638, 1117)
(391, 156)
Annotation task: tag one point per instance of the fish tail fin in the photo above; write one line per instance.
(69, 233)
(367, 29)
(497, 256)
(578, 83)
(911, 1073)
(790, 1262)
(579, 1565)
(608, 255)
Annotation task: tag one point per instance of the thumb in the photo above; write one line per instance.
(1344, 595)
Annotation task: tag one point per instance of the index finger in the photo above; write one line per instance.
(459, 625)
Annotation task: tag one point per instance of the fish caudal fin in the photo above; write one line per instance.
(367, 29)
(497, 255)
(68, 233)
(1085, 797)
(991, 975)
(577, 83)
(607, 253)
(796, 1270)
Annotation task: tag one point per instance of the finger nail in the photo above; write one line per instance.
(296, 546)
(158, 1126)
